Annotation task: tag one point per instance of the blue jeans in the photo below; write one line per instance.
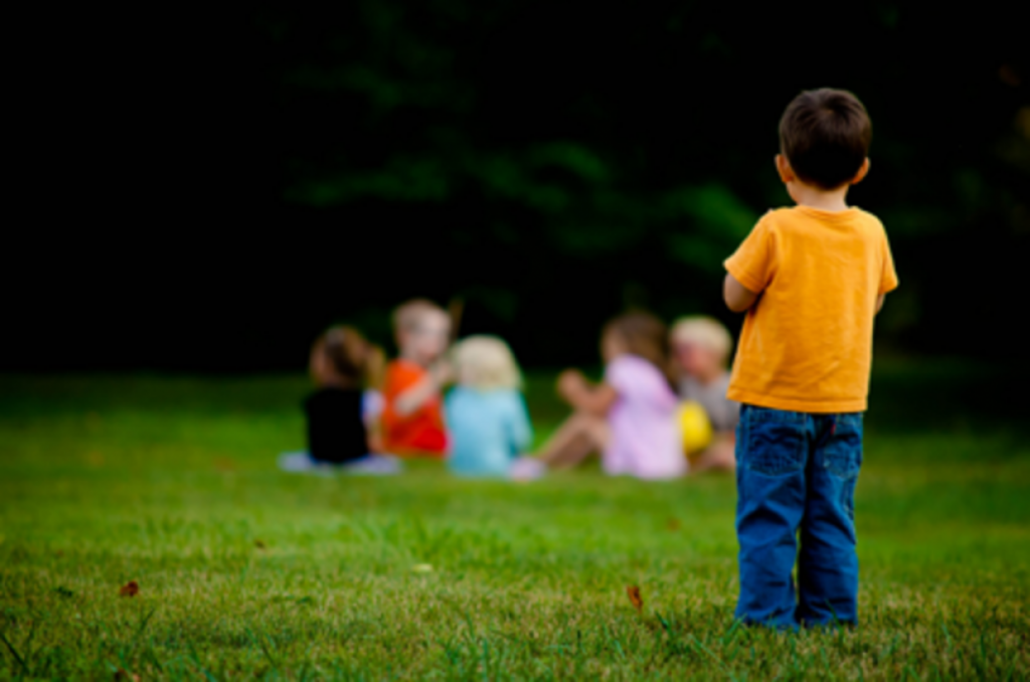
(796, 471)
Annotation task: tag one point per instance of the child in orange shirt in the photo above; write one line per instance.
(811, 279)
(412, 417)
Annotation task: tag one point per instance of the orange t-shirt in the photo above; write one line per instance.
(422, 431)
(807, 342)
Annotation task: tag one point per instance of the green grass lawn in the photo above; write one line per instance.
(244, 571)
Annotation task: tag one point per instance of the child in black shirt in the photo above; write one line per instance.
(341, 365)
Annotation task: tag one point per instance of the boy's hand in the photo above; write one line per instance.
(584, 396)
(738, 297)
(442, 372)
(437, 374)
(571, 383)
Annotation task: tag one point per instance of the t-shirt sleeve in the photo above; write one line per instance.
(753, 263)
(619, 375)
(372, 404)
(889, 278)
(398, 379)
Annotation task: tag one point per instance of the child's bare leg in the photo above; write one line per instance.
(720, 456)
(580, 435)
(568, 445)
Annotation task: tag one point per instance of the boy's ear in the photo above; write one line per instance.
(862, 172)
(784, 169)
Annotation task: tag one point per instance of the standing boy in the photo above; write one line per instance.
(811, 279)
(412, 419)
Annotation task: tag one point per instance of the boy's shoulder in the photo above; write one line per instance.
(786, 214)
(404, 366)
(401, 374)
(331, 397)
(801, 218)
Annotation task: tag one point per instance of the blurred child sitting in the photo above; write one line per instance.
(412, 417)
(701, 349)
(342, 362)
(486, 415)
(631, 416)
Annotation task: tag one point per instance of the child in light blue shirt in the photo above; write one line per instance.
(486, 414)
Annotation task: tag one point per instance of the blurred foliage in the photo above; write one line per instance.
(392, 66)
(634, 145)
(549, 163)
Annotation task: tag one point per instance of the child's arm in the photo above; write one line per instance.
(749, 270)
(738, 297)
(413, 398)
(583, 396)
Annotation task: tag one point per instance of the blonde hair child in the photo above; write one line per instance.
(485, 412)
(706, 334)
(701, 348)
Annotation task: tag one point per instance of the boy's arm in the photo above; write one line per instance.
(738, 297)
(583, 397)
(879, 302)
(416, 396)
(751, 267)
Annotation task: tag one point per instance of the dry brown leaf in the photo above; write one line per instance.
(224, 464)
(634, 597)
(129, 589)
(259, 544)
(123, 675)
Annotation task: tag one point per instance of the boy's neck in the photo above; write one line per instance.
(816, 197)
(412, 357)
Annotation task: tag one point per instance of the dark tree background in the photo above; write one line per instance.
(207, 191)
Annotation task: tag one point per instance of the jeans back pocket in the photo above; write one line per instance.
(775, 440)
(843, 451)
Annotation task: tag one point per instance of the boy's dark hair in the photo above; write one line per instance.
(825, 135)
(645, 336)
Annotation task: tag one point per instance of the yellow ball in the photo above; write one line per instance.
(694, 426)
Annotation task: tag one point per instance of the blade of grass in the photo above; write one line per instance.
(196, 661)
(14, 652)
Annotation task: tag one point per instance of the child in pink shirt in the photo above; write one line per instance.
(630, 417)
